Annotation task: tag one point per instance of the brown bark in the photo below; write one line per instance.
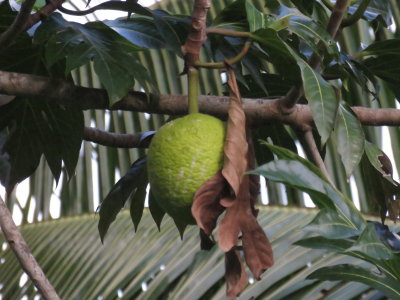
(111, 139)
(257, 110)
(17, 26)
(197, 34)
(24, 255)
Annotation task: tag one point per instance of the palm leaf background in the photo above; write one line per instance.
(158, 265)
(69, 248)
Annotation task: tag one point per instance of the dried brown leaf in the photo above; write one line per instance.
(206, 207)
(254, 180)
(235, 274)
(229, 228)
(256, 247)
(235, 148)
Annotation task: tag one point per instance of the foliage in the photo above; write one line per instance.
(144, 51)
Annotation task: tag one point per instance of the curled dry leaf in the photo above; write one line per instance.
(254, 180)
(235, 148)
(256, 247)
(235, 274)
(229, 228)
(206, 207)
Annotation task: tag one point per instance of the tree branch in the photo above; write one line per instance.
(311, 149)
(24, 255)
(257, 110)
(109, 5)
(42, 13)
(17, 26)
(350, 20)
(111, 139)
(197, 35)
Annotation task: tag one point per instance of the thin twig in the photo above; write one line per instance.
(228, 32)
(350, 20)
(24, 255)
(118, 140)
(311, 149)
(197, 34)
(109, 5)
(229, 61)
(17, 26)
(42, 13)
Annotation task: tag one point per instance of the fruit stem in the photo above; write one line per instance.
(193, 90)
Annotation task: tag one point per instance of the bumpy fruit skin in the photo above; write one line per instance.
(182, 155)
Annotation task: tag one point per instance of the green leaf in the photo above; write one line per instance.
(138, 198)
(388, 285)
(119, 194)
(321, 98)
(297, 173)
(256, 18)
(113, 57)
(278, 54)
(234, 12)
(156, 211)
(305, 6)
(319, 242)
(349, 137)
(37, 127)
(380, 161)
(370, 245)
(386, 47)
(173, 30)
(312, 33)
(141, 31)
(333, 225)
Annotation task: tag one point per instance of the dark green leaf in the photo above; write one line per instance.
(284, 152)
(234, 12)
(305, 6)
(298, 174)
(137, 201)
(141, 31)
(39, 127)
(319, 242)
(333, 225)
(370, 245)
(312, 33)
(173, 33)
(156, 211)
(274, 84)
(257, 20)
(388, 285)
(119, 194)
(389, 238)
(113, 56)
(278, 54)
(321, 98)
(386, 47)
(349, 137)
